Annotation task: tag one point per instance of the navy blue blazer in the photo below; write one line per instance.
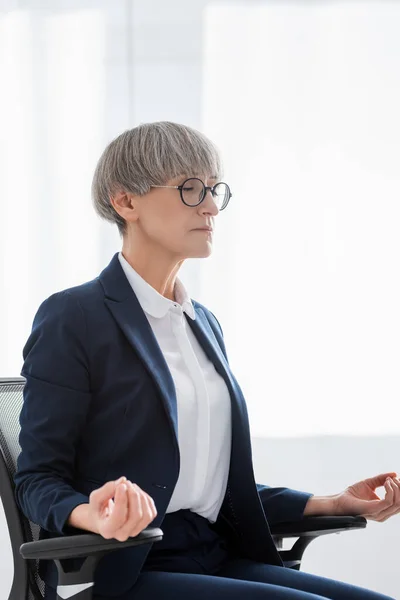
(99, 402)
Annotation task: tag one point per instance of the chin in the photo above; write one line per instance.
(204, 252)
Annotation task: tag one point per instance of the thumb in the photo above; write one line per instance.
(105, 492)
(379, 480)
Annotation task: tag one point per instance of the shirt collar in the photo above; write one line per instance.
(153, 303)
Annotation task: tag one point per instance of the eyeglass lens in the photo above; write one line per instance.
(193, 192)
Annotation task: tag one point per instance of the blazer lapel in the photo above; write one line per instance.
(209, 342)
(206, 338)
(126, 310)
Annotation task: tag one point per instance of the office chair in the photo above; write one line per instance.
(27, 549)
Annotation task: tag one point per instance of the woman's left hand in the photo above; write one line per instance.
(361, 499)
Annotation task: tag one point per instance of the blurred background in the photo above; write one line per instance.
(302, 99)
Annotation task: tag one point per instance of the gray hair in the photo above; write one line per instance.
(150, 154)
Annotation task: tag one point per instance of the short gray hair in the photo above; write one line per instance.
(150, 154)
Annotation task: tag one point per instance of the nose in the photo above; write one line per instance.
(208, 206)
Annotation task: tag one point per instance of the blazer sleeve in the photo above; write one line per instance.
(56, 403)
(280, 504)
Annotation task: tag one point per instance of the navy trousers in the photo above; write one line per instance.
(193, 561)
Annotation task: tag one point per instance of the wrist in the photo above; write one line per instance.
(321, 506)
(82, 518)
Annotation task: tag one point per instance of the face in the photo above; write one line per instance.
(164, 220)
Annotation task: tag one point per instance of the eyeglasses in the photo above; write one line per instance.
(193, 191)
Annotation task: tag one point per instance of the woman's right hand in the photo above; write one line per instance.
(120, 509)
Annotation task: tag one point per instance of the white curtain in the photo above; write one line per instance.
(53, 127)
(302, 99)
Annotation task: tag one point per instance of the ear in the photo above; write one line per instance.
(124, 204)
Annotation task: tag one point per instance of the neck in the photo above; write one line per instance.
(154, 266)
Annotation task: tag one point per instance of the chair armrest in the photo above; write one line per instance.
(83, 545)
(315, 526)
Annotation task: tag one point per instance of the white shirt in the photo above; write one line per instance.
(203, 401)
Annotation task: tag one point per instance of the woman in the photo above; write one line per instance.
(132, 416)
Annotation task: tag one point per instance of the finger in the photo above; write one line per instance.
(379, 480)
(149, 509)
(395, 508)
(120, 510)
(374, 508)
(385, 514)
(152, 506)
(105, 492)
(389, 489)
(147, 514)
(396, 484)
(387, 504)
(135, 512)
(109, 507)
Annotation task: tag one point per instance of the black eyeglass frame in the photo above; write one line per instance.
(204, 193)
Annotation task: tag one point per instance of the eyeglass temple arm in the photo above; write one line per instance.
(176, 187)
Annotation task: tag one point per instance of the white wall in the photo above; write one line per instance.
(115, 64)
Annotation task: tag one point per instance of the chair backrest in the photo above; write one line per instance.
(27, 584)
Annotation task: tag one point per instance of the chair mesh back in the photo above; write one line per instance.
(11, 399)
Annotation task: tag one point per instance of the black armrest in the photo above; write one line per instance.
(307, 530)
(86, 544)
(315, 526)
(91, 547)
